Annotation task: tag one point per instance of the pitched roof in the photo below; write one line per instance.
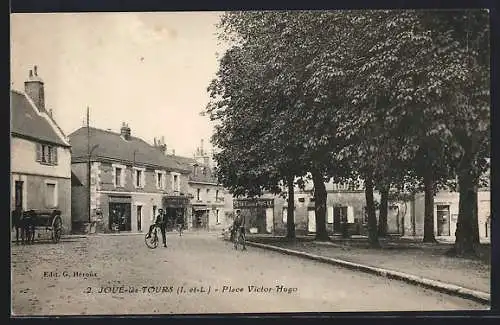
(27, 121)
(112, 146)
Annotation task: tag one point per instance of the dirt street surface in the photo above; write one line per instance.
(197, 273)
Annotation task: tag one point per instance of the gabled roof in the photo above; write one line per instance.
(112, 146)
(27, 121)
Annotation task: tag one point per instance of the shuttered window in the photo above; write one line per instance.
(46, 154)
(50, 195)
(38, 152)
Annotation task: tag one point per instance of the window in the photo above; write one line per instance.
(217, 195)
(46, 154)
(217, 217)
(160, 180)
(195, 170)
(176, 186)
(118, 177)
(198, 194)
(51, 194)
(208, 193)
(139, 177)
(204, 170)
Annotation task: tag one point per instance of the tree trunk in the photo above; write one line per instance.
(320, 206)
(382, 217)
(372, 217)
(429, 209)
(290, 220)
(467, 233)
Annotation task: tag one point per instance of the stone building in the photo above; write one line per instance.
(129, 181)
(208, 197)
(40, 154)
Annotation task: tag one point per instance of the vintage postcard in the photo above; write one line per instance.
(249, 162)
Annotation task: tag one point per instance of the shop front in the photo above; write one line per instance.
(175, 207)
(120, 214)
(258, 213)
(200, 216)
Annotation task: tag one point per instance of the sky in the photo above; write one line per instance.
(150, 70)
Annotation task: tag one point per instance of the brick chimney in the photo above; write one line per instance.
(125, 131)
(34, 88)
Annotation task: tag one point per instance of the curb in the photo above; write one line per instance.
(478, 296)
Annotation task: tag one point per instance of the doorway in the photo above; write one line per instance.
(139, 218)
(18, 195)
(339, 218)
(443, 220)
(120, 213)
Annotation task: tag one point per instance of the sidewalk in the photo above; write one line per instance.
(406, 256)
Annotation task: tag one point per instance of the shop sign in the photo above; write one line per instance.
(253, 203)
(175, 201)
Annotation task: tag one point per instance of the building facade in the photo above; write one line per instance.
(346, 208)
(208, 198)
(40, 154)
(446, 205)
(129, 181)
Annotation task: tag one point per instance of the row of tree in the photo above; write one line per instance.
(399, 99)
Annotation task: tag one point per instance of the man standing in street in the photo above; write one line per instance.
(161, 223)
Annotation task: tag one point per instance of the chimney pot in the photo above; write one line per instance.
(31, 73)
(35, 68)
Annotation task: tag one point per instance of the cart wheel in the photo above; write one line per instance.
(56, 229)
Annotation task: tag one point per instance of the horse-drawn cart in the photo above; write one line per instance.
(47, 223)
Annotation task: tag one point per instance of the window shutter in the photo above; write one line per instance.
(330, 215)
(114, 176)
(134, 177)
(54, 151)
(143, 178)
(38, 152)
(350, 214)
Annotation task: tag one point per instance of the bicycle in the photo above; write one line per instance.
(239, 238)
(152, 241)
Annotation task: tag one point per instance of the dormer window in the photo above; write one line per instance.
(195, 170)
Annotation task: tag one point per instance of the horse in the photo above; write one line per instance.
(24, 222)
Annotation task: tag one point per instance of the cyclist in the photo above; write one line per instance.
(239, 224)
(180, 222)
(160, 222)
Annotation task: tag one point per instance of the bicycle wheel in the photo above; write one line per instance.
(152, 241)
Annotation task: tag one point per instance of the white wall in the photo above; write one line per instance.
(23, 160)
